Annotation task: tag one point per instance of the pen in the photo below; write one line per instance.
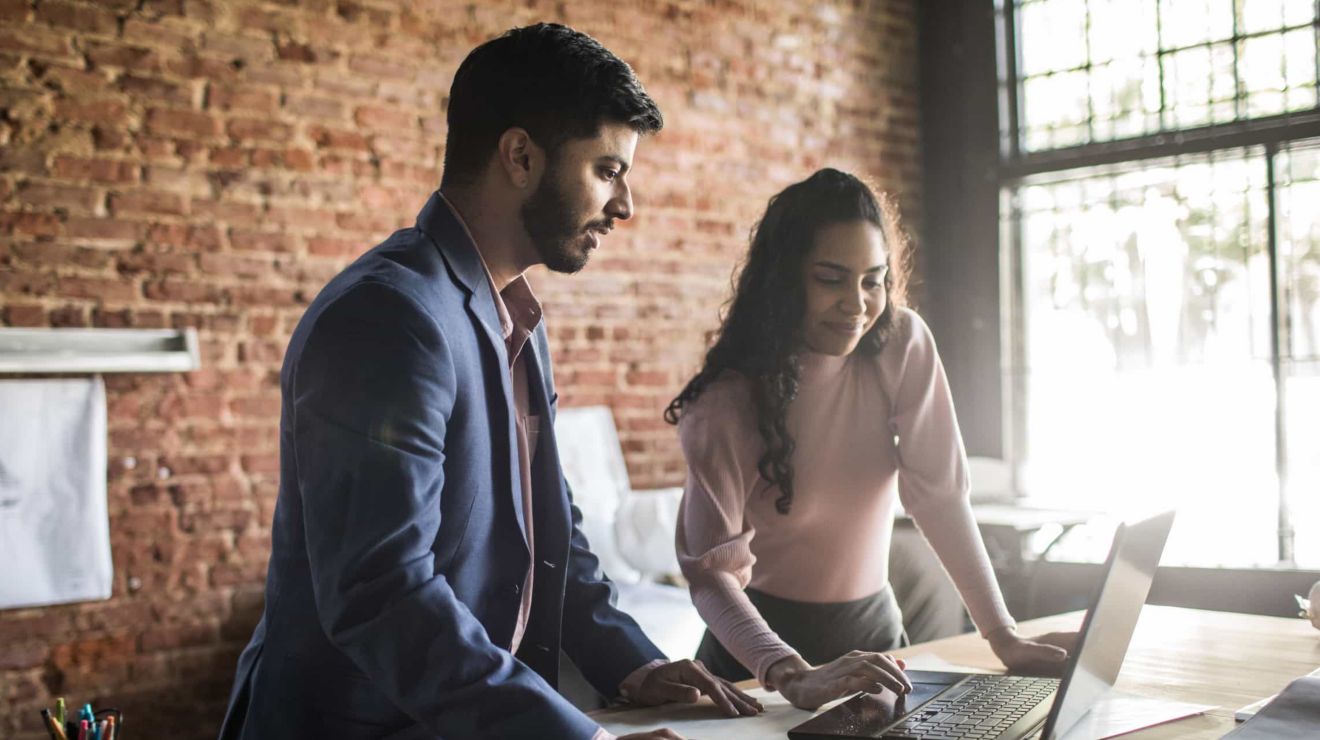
(59, 713)
(49, 723)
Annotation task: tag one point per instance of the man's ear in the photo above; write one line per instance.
(521, 159)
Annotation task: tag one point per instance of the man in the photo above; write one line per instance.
(427, 563)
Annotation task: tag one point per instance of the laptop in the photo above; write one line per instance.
(945, 705)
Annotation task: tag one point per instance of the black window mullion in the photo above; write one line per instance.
(1285, 529)
(1011, 57)
(1239, 94)
(1089, 67)
(1159, 61)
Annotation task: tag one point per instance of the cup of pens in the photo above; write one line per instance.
(101, 724)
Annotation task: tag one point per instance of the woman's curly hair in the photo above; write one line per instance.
(761, 333)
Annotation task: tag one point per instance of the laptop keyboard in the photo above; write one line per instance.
(985, 708)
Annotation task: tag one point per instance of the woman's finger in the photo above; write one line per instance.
(890, 666)
(1044, 652)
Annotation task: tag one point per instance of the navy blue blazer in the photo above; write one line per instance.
(398, 544)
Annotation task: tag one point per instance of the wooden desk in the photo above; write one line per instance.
(1184, 655)
(1189, 655)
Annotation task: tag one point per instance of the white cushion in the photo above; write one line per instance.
(593, 465)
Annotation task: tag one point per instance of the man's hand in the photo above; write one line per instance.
(1044, 655)
(684, 681)
(806, 687)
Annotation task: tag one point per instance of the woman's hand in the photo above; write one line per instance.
(1044, 655)
(806, 687)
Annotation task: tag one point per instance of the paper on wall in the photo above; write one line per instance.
(54, 532)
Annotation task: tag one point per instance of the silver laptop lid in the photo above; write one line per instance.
(1110, 622)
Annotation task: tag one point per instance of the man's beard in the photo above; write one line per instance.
(548, 218)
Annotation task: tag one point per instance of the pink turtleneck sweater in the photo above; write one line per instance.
(870, 430)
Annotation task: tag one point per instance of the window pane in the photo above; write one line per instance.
(1299, 271)
(1190, 22)
(1147, 373)
(1159, 66)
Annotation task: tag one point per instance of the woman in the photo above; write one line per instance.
(822, 403)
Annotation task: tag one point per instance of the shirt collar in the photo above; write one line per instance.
(518, 308)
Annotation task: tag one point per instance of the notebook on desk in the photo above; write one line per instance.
(995, 707)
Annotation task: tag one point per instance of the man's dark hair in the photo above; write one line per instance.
(555, 82)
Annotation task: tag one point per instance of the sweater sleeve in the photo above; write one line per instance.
(713, 537)
(932, 468)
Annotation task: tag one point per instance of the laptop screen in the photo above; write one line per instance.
(1110, 621)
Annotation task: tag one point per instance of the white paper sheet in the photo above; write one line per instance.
(1120, 713)
(54, 535)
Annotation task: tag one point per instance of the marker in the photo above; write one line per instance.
(59, 713)
(109, 728)
(82, 730)
(87, 714)
(49, 722)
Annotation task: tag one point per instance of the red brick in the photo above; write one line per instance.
(124, 56)
(311, 218)
(295, 51)
(156, 261)
(261, 241)
(48, 195)
(30, 224)
(101, 289)
(96, 169)
(241, 97)
(182, 123)
(24, 315)
(14, 10)
(181, 291)
(326, 247)
(257, 128)
(385, 119)
(148, 201)
(78, 17)
(299, 159)
(36, 41)
(328, 138)
(313, 106)
(56, 254)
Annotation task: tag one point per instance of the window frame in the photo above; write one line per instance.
(1017, 166)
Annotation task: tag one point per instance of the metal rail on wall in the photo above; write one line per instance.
(98, 350)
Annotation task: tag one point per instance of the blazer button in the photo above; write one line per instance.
(516, 589)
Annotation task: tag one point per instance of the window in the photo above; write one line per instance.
(1162, 215)
(1101, 70)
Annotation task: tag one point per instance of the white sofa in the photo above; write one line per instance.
(631, 531)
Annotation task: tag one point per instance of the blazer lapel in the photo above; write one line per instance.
(438, 221)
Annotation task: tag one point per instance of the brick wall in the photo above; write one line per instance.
(211, 164)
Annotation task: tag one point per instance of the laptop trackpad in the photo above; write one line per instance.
(866, 715)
